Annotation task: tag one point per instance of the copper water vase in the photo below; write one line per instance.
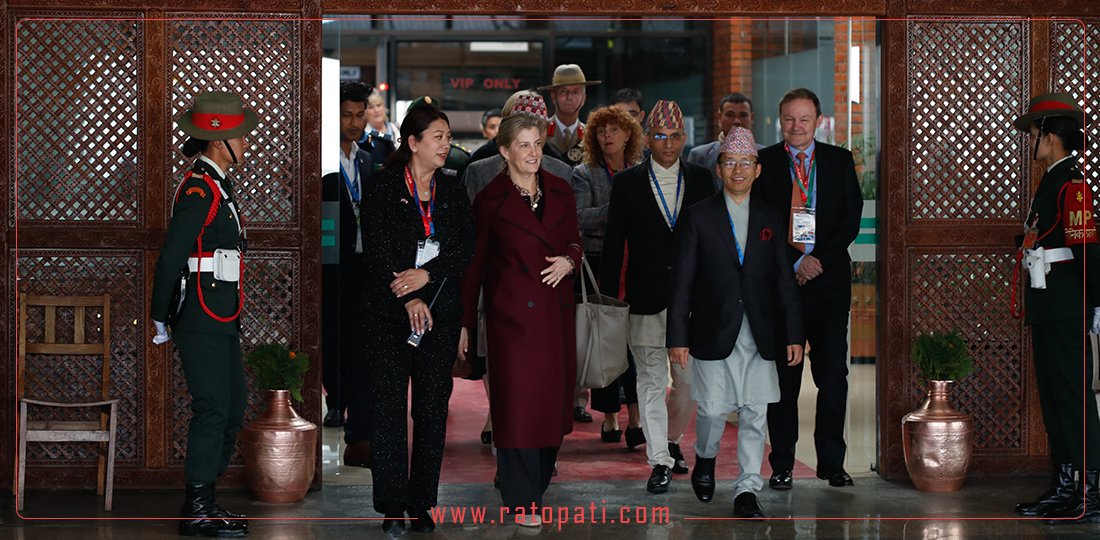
(280, 451)
(938, 441)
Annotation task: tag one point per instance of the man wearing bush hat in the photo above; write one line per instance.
(205, 242)
(566, 131)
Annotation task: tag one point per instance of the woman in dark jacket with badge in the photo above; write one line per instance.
(528, 246)
(204, 242)
(1058, 247)
(419, 238)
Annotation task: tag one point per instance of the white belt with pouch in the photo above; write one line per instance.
(225, 264)
(1039, 260)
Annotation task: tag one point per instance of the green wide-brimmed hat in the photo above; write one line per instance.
(217, 116)
(1052, 104)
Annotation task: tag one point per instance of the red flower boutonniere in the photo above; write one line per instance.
(766, 234)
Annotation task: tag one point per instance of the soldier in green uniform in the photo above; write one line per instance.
(204, 243)
(458, 157)
(1059, 244)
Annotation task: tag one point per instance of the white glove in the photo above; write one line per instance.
(162, 333)
(1095, 321)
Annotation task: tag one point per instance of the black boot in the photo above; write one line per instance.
(1059, 494)
(1084, 505)
(203, 517)
(233, 517)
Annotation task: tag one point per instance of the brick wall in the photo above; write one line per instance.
(732, 70)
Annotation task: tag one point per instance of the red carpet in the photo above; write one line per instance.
(583, 456)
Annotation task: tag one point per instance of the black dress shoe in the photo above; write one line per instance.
(702, 478)
(358, 454)
(838, 478)
(487, 437)
(394, 524)
(634, 437)
(421, 521)
(581, 415)
(334, 418)
(781, 480)
(746, 506)
(611, 436)
(659, 479)
(679, 465)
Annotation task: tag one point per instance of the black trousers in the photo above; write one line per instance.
(606, 400)
(827, 334)
(215, 379)
(1065, 392)
(342, 316)
(525, 474)
(393, 363)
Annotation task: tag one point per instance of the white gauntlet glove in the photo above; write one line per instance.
(1095, 328)
(162, 333)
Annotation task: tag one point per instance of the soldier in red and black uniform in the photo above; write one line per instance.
(1058, 248)
(204, 241)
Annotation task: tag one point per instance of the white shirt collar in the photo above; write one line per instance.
(1055, 164)
(217, 169)
(659, 170)
(354, 151)
(565, 128)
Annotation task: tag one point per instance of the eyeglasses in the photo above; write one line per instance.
(661, 137)
(735, 163)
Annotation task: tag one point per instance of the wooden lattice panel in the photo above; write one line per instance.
(967, 82)
(78, 85)
(70, 273)
(258, 60)
(1073, 70)
(969, 292)
(269, 315)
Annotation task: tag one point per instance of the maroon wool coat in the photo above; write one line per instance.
(531, 327)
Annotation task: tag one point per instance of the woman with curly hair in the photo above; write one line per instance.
(617, 145)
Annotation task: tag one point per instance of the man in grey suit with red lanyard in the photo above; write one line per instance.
(816, 186)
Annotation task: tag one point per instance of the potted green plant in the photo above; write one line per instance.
(275, 367)
(279, 447)
(937, 438)
(941, 356)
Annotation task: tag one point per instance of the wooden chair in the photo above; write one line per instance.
(54, 431)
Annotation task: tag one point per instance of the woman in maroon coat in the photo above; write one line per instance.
(528, 246)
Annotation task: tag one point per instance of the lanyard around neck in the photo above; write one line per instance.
(736, 244)
(425, 216)
(805, 181)
(351, 183)
(670, 214)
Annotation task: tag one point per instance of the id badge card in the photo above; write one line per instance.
(426, 250)
(803, 225)
(1030, 237)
